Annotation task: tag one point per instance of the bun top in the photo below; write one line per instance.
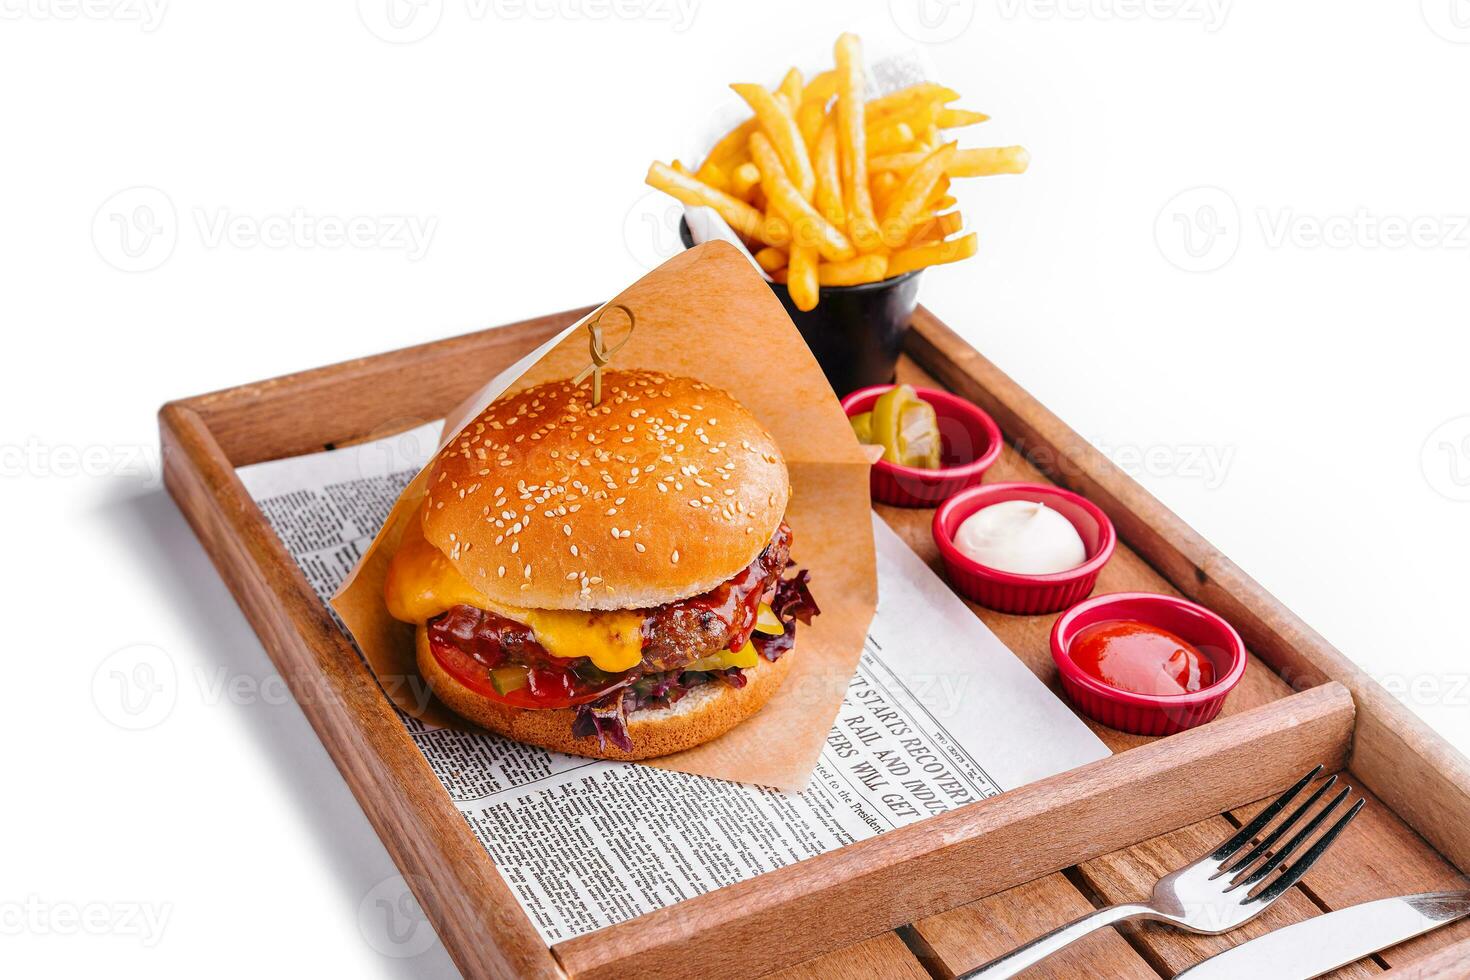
(663, 491)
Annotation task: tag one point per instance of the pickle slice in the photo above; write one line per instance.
(507, 679)
(905, 426)
(725, 659)
(768, 622)
(887, 412)
(918, 435)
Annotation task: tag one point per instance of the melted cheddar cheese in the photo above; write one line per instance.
(422, 583)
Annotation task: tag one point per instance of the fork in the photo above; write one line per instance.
(1206, 896)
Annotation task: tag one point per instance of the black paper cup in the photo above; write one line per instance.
(855, 332)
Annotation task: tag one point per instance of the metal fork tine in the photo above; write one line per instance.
(1287, 849)
(1304, 864)
(1253, 828)
(1279, 832)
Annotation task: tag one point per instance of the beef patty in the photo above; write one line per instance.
(674, 634)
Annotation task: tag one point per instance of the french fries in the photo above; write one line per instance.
(746, 177)
(829, 177)
(904, 99)
(730, 151)
(771, 258)
(713, 175)
(812, 112)
(934, 228)
(884, 185)
(909, 259)
(907, 203)
(891, 139)
(801, 277)
(955, 118)
(852, 142)
(808, 226)
(831, 188)
(863, 268)
(745, 219)
(779, 127)
(983, 162)
(790, 90)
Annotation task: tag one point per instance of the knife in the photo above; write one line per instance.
(1322, 944)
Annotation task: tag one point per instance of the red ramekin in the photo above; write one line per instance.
(971, 442)
(1012, 592)
(1149, 714)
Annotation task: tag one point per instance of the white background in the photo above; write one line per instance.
(1322, 382)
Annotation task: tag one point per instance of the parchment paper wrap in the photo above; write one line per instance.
(706, 314)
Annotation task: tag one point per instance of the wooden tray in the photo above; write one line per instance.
(937, 897)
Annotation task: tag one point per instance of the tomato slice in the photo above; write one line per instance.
(546, 687)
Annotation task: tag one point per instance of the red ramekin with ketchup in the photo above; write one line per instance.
(1166, 619)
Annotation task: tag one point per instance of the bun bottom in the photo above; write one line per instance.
(705, 713)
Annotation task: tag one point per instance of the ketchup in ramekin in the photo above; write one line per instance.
(1142, 658)
(1200, 655)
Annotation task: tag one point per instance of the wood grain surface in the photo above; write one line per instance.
(978, 849)
(978, 881)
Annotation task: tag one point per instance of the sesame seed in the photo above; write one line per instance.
(675, 556)
(502, 571)
(638, 546)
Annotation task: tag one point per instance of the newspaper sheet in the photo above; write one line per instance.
(938, 714)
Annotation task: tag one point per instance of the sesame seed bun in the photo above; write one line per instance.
(663, 491)
(705, 713)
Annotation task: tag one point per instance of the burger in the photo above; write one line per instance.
(606, 580)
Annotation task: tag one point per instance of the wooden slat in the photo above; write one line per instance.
(1413, 770)
(448, 870)
(883, 957)
(963, 938)
(978, 849)
(1452, 961)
